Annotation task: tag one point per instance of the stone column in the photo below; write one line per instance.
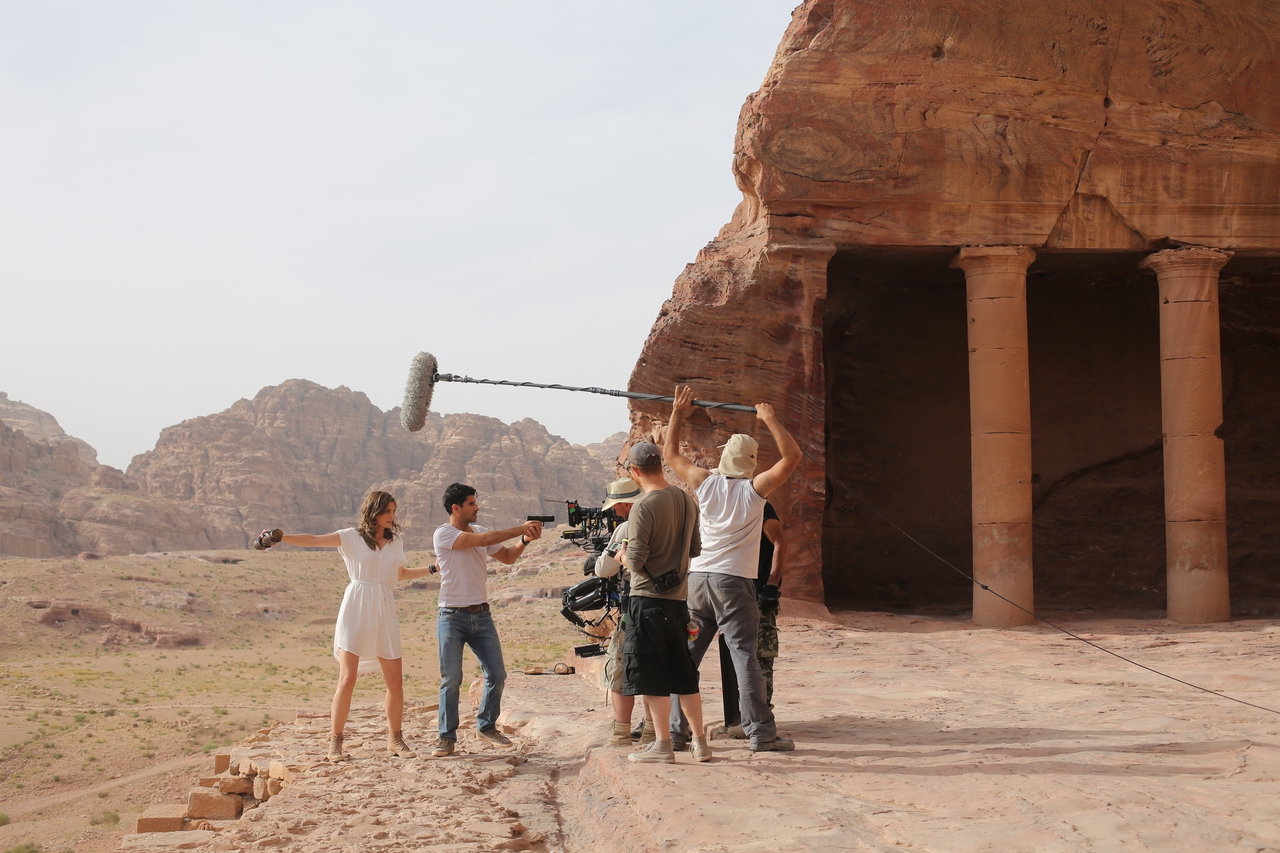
(999, 430)
(1195, 485)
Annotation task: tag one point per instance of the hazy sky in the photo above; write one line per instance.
(201, 199)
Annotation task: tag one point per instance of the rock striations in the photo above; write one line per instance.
(886, 135)
(297, 456)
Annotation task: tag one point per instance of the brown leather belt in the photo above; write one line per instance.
(471, 608)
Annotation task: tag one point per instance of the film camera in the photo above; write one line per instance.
(592, 529)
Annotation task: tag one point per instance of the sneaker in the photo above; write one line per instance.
(638, 731)
(647, 734)
(778, 744)
(495, 737)
(658, 752)
(621, 735)
(397, 747)
(701, 750)
(444, 747)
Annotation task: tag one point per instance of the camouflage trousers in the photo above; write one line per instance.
(767, 648)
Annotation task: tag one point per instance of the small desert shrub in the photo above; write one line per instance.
(4, 819)
(25, 847)
(106, 816)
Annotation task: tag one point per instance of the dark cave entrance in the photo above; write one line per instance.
(897, 418)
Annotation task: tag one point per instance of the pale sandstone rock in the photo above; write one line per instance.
(214, 805)
(167, 817)
(235, 785)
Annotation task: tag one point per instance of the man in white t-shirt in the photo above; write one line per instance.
(462, 548)
(722, 591)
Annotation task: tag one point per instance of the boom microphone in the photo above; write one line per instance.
(417, 392)
(424, 374)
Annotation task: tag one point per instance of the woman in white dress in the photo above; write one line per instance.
(367, 625)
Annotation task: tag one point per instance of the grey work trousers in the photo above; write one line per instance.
(728, 603)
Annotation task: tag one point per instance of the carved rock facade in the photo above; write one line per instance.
(890, 135)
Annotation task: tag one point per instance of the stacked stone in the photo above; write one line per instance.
(243, 779)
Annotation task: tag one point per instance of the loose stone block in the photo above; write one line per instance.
(209, 781)
(235, 785)
(260, 788)
(166, 817)
(207, 803)
(248, 767)
(274, 786)
(282, 770)
(221, 761)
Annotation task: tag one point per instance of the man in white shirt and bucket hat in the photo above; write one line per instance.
(722, 592)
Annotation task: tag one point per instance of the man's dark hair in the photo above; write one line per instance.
(652, 468)
(456, 494)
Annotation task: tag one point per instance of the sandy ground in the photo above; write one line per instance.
(97, 723)
(912, 733)
(925, 735)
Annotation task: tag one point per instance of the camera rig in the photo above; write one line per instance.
(591, 529)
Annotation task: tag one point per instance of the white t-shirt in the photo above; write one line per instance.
(731, 515)
(462, 574)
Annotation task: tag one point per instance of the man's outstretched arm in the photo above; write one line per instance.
(685, 469)
(766, 481)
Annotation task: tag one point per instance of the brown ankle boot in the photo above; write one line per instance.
(396, 746)
(335, 748)
(647, 734)
(621, 734)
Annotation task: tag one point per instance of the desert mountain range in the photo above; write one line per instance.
(298, 456)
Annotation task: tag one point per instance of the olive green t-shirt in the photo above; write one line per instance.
(663, 536)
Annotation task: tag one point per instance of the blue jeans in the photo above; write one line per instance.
(454, 629)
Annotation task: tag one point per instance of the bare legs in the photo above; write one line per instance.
(659, 710)
(348, 669)
(348, 666)
(392, 675)
(622, 706)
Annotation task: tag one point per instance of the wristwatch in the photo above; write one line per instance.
(523, 543)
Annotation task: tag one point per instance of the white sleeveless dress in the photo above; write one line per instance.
(367, 624)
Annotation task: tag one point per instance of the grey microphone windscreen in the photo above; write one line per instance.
(417, 392)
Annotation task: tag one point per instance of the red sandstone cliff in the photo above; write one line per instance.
(1067, 126)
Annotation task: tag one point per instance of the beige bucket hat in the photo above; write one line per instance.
(624, 491)
(738, 458)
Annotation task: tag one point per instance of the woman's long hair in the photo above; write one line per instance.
(375, 504)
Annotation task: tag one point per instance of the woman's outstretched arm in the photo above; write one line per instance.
(307, 540)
